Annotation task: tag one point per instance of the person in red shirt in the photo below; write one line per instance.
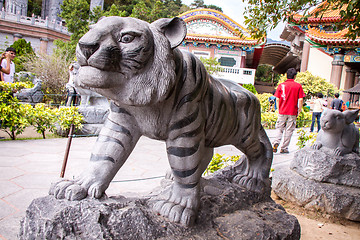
(289, 96)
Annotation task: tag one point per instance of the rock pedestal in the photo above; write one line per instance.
(227, 211)
(319, 180)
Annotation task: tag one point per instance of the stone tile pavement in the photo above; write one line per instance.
(28, 167)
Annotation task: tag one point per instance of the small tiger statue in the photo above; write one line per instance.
(163, 93)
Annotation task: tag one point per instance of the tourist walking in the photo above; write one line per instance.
(317, 110)
(337, 103)
(289, 95)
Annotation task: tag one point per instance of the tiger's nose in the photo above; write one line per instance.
(88, 49)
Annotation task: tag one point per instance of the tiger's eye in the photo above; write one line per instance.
(127, 38)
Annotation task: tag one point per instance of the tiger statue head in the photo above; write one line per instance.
(129, 60)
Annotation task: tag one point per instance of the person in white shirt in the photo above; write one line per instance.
(5, 56)
(9, 77)
(317, 110)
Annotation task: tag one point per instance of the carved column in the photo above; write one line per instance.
(357, 77)
(349, 83)
(336, 70)
(243, 59)
(17, 36)
(43, 45)
(305, 56)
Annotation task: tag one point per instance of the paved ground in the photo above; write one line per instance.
(28, 167)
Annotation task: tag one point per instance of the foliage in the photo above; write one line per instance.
(53, 71)
(266, 15)
(75, 13)
(42, 118)
(264, 101)
(304, 137)
(264, 73)
(200, 4)
(250, 87)
(313, 84)
(304, 119)
(12, 113)
(34, 7)
(268, 119)
(66, 116)
(211, 65)
(23, 49)
(220, 161)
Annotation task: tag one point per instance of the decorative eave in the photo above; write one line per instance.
(329, 16)
(241, 34)
(223, 40)
(314, 35)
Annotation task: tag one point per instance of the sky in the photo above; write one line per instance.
(234, 9)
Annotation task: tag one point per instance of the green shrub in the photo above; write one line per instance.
(67, 116)
(42, 118)
(313, 84)
(264, 101)
(13, 119)
(305, 137)
(13, 115)
(250, 87)
(220, 161)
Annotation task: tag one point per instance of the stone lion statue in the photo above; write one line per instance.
(163, 93)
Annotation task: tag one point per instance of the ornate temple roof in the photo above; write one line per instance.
(209, 25)
(329, 16)
(330, 38)
(317, 27)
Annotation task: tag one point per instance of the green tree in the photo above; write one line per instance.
(42, 118)
(201, 4)
(34, 7)
(23, 50)
(212, 65)
(250, 87)
(264, 73)
(13, 118)
(76, 15)
(261, 16)
(313, 84)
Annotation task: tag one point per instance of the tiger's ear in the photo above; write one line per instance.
(174, 30)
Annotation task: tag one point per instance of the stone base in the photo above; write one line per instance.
(323, 166)
(338, 200)
(227, 211)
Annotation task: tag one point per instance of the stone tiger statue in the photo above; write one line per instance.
(163, 93)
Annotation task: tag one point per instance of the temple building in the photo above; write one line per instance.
(212, 34)
(323, 51)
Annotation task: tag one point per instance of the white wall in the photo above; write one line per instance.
(320, 63)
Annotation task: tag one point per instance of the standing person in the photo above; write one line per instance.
(318, 108)
(272, 102)
(5, 56)
(289, 95)
(9, 77)
(337, 103)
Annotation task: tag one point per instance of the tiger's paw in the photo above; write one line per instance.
(75, 190)
(181, 205)
(250, 183)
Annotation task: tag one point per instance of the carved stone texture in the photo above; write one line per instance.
(323, 166)
(31, 95)
(337, 200)
(226, 211)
